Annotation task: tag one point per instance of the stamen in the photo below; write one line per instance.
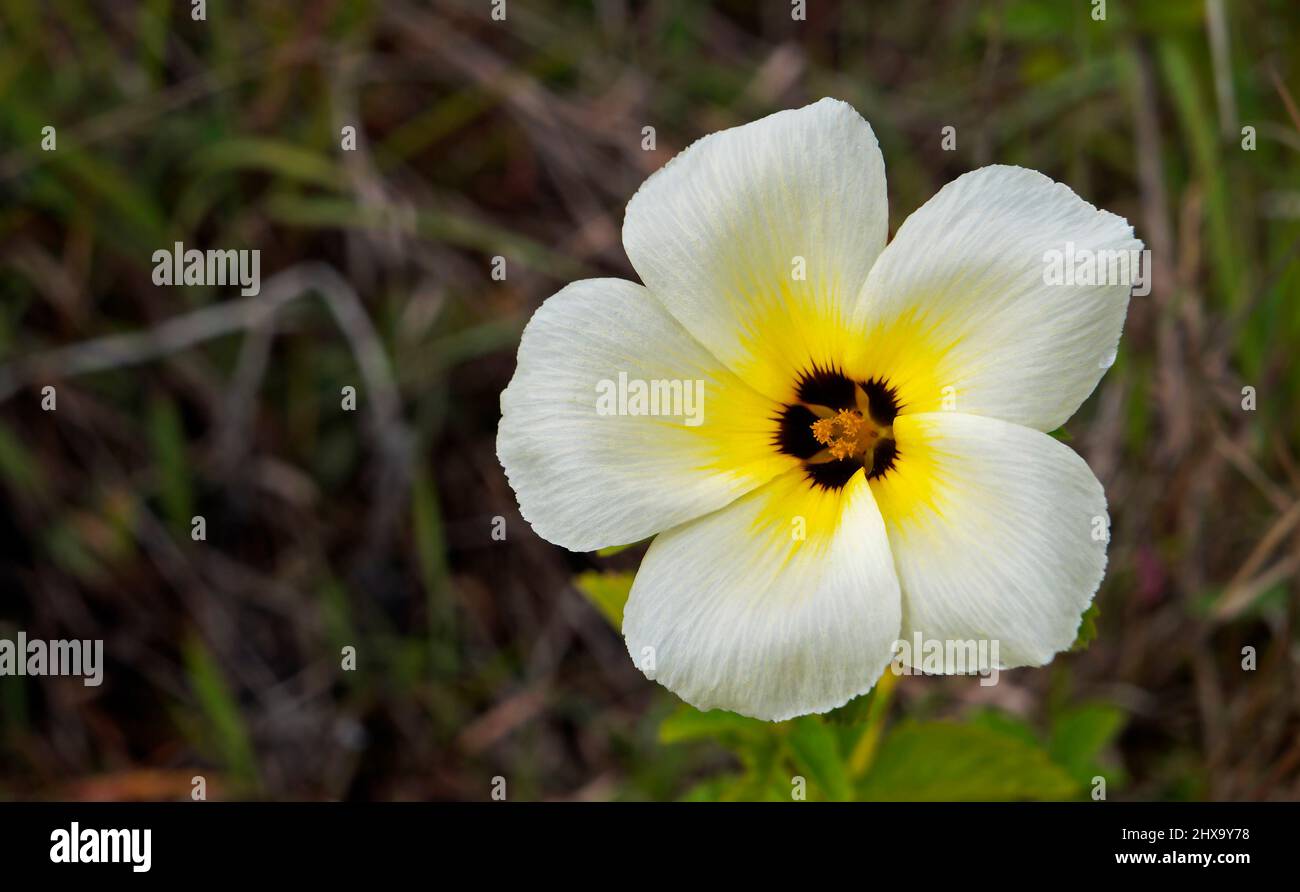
(841, 433)
(838, 427)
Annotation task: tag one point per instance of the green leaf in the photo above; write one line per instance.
(1080, 734)
(607, 590)
(1006, 724)
(1087, 628)
(715, 789)
(938, 761)
(611, 550)
(817, 755)
(854, 712)
(688, 723)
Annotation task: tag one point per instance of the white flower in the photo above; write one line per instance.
(871, 461)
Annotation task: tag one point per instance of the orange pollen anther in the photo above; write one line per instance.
(845, 434)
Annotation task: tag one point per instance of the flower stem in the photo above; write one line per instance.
(865, 749)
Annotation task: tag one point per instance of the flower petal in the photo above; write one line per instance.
(758, 238)
(957, 311)
(998, 533)
(587, 480)
(738, 612)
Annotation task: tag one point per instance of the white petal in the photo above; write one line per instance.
(998, 533)
(586, 480)
(739, 613)
(719, 235)
(958, 300)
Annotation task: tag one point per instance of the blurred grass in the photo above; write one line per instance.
(221, 726)
(476, 657)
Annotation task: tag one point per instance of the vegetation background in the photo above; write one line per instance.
(372, 529)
